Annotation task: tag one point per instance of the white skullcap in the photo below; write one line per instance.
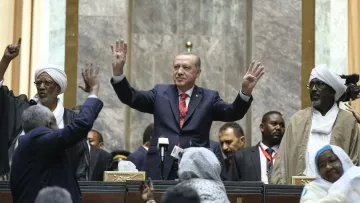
(323, 73)
(55, 73)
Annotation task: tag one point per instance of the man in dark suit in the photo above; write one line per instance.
(40, 159)
(232, 139)
(100, 161)
(183, 112)
(138, 157)
(255, 163)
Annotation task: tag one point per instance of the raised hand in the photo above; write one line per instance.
(12, 51)
(147, 191)
(118, 57)
(353, 111)
(91, 79)
(252, 76)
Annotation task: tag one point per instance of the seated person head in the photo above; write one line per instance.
(332, 162)
(95, 138)
(231, 138)
(38, 116)
(180, 194)
(53, 195)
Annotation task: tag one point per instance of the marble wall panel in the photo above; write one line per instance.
(277, 43)
(100, 24)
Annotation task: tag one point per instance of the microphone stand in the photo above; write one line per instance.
(162, 154)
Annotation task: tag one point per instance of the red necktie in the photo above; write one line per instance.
(182, 108)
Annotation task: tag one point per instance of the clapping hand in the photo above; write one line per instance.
(12, 51)
(91, 79)
(118, 57)
(252, 76)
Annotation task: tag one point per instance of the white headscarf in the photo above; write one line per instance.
(200, 169)
(323, 73)
(55, 73)
(345, 189)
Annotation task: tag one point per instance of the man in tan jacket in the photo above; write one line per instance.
(314, 127)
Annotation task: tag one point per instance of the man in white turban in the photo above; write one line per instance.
(314, 127)
(50, 82)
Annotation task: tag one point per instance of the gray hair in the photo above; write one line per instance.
(36, 116)
(198, 60)
(53, 195)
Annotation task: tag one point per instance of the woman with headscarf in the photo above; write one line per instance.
(337, 180)
(200, 169)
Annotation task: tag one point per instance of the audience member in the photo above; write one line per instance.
(95, 138)
(200, 169)
(173, 106)
(53, 195)
(138, 157)
(50, 82)
(337, 178)
(100, 160)
(40, 159)
(232, 139)
(216, 148)
(255, 163)
(314, 127)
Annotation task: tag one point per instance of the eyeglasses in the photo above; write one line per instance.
(330, 163)
(46, 83)
(318, 84)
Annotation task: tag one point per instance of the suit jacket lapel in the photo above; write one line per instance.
(194, 102)
(255, 158)
(173, 97)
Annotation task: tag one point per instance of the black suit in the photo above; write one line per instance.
(40, 160)
(100, 161)
(11, 109)
(246, 165)
(138, 158)
(162, 101)
(216, 148)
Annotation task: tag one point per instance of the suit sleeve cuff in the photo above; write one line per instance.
(117, 79)
(92, 96)
(244, 97)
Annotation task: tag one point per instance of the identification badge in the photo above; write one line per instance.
(177, 152)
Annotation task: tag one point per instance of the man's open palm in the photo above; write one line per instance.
(118, 57)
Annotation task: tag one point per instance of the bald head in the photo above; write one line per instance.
(37, 116)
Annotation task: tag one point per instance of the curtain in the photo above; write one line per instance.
(20, 18)
(354, 41)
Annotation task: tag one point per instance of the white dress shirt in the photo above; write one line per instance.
(263, 161)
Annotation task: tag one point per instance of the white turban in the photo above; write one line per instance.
(323, 73)
(55, 73)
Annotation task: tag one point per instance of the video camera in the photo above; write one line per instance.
(352, 91)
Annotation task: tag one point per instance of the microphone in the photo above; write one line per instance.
(163, 144)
